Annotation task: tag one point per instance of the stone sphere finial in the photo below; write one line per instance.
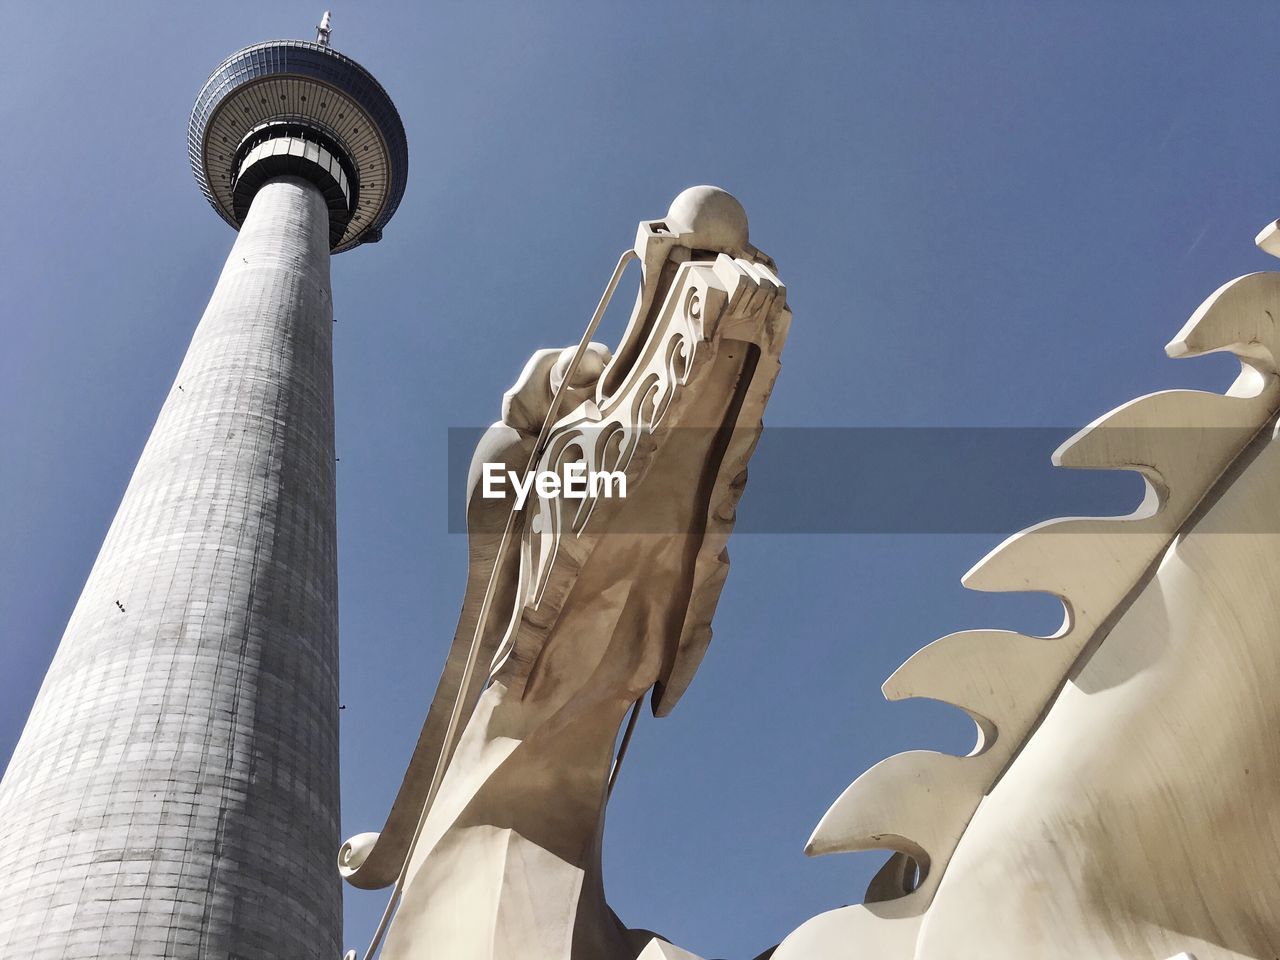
(715, 217)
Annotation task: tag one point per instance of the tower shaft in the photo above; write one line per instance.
(175, 791)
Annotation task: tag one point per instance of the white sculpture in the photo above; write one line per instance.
(1123, 796)
(494, 839)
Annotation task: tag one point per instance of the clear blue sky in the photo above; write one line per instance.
(987, 214)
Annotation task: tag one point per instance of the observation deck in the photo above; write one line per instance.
(299, 107)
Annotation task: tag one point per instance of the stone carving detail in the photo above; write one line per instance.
(616, 433)
(598, 601)
(609, 440)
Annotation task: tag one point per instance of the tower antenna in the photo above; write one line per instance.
(322, 31)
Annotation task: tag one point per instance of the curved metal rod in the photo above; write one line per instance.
(455, 715)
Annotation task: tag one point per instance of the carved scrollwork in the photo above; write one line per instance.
(605, 436)
(353, 852)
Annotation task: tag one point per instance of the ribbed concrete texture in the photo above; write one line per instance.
(175, 791)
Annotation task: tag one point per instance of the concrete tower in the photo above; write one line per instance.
(175, 791)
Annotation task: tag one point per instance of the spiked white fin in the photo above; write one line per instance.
(901, 804)
(1240, 317)
(919, 803)
(993, 675)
